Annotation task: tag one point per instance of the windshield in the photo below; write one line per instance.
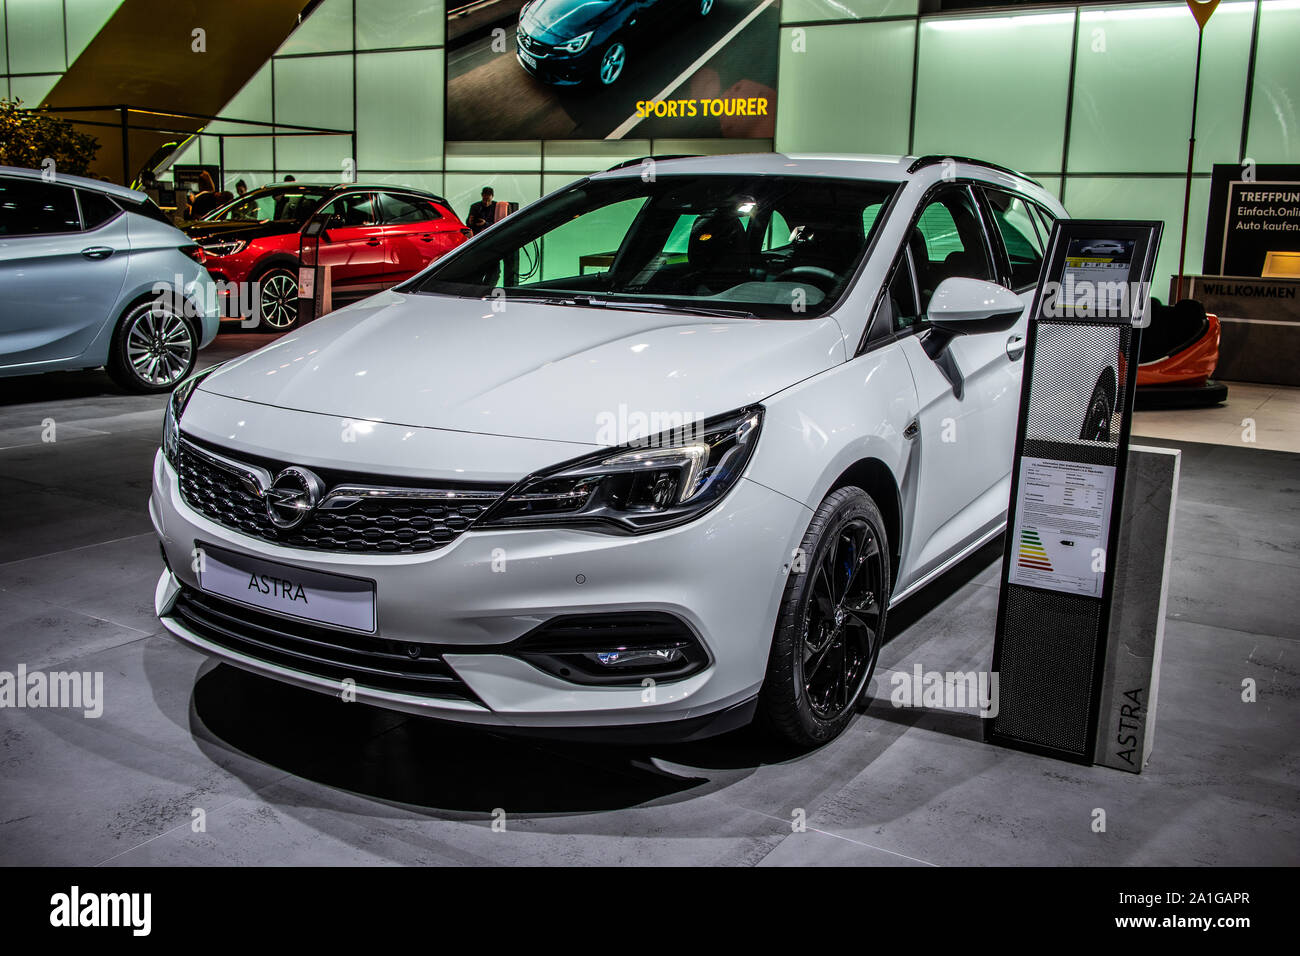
(768, 246)
(260, 205)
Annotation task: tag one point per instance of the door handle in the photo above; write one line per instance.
(426, 237)
(97, 252)
(374, 242)
(1015, 347)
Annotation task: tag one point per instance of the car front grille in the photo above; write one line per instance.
(320, 651)
(534, 46)
(357, 514)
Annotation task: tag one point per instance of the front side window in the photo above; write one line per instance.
(29, 207)
(768, 246)
(1015, 221)
(949, 241)
(264, 205)
(352, 209)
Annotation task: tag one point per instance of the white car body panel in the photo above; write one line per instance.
(440, 362)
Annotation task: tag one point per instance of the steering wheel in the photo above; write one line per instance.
(828, 280)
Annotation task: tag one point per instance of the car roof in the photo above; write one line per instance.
(81, 182)
(924, 170)
(349, 187)
(880, 168)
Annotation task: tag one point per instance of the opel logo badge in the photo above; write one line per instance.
(292, 496)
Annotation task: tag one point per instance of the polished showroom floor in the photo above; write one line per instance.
(287, 776)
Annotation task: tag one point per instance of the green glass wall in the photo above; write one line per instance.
(1094, 101)
(40, 38)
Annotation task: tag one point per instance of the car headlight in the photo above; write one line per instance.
(176, 402)
(642, 486)
(226, 247)
(576, 45)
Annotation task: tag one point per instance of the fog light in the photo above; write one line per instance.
(614, 647)
(638, 656)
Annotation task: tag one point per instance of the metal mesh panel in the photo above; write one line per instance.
(1045, 676)
(1077, 386)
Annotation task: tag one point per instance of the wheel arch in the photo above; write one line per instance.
(875, 478)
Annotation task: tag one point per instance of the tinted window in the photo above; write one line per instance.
(353, 209)
(898, 310)
(292, 205)
(1015, 221)
(96, 208)
(948, 241)
(1046, 220)
(398, 210)
(29, 208)
(779, 246)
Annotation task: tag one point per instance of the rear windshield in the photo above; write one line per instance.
(765, 246)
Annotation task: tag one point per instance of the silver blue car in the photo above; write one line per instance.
(93, 274)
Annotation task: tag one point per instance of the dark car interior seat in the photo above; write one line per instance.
(718, 252)
(1172, 329)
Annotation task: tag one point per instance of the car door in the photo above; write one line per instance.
(59, 284)
(959, 458)
(352, 245)
(1020, 246)
(416, 233)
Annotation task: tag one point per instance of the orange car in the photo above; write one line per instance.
(1177, 356)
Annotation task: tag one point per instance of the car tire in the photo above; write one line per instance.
(1101, 411)
(613, 62)
(832, 616)
(277, 300)
(154, 347)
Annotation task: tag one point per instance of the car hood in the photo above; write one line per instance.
(240, 230)
(555, 21)
(529, 371)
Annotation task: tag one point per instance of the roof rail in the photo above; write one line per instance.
(641, 159)
(935, 160)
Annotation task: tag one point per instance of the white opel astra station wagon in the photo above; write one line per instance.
(648, 459)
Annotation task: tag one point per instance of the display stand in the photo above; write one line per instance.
(1057, 585)
(311, 284)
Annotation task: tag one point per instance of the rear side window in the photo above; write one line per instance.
(1015, 222)
(96, 208)
(400, 210)
(1046, 220)
(29, 207)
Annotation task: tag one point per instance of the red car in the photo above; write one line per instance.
(374, 238)
(1177, 355)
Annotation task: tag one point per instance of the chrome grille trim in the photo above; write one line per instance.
(352, 517)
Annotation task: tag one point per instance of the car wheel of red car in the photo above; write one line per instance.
(277, 300)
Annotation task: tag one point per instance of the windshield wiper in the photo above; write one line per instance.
(686, 307)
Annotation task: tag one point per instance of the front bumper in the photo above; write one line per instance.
(722, 575)
(558, 69)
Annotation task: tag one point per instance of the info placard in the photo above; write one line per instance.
(1062, 525)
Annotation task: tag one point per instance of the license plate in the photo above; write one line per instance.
(528, 60)
(308, 595)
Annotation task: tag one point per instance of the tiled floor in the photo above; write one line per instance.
(1254, 416)
(287, 776)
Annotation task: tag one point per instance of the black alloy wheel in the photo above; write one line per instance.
(831, 624)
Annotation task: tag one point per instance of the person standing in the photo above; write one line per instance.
(482, 213)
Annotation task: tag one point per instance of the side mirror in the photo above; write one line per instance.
(962, 306)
